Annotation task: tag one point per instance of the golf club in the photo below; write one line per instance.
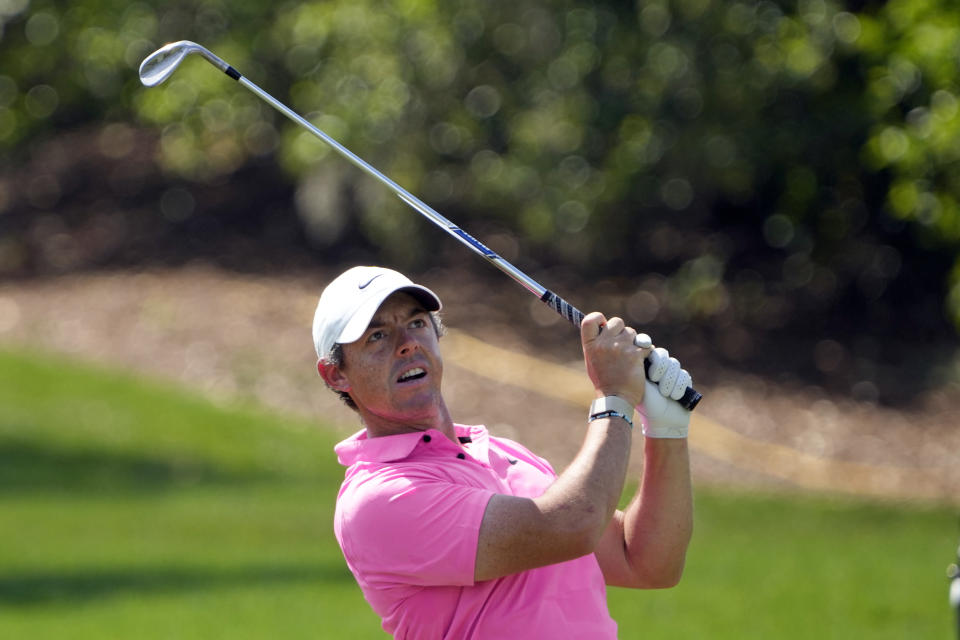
(161, 64)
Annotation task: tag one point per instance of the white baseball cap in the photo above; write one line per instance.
(349, 303)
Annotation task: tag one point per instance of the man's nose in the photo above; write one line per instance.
(406, 342)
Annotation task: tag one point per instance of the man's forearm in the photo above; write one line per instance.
(658, 523)
(568, 519)
(585, 495)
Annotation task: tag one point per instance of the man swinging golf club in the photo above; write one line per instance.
(454, 533)
(450, 532)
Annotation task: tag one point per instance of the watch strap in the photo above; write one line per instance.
(611, 406)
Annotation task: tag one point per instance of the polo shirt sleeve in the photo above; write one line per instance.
(411, 527)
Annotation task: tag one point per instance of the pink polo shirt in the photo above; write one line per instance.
(408, 518)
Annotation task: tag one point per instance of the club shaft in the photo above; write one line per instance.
(573, 315)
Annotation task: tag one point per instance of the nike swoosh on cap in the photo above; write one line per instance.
(367, 283)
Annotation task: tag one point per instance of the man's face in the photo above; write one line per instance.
(393, 372)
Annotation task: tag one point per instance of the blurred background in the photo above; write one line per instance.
(749, 174)
(768, 187)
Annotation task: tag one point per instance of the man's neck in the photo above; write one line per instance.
(379, 426)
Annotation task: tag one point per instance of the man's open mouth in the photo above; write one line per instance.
(413, 374)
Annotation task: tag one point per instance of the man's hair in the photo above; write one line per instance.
(335, 357)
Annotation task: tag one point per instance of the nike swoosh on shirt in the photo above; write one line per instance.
(367, 283)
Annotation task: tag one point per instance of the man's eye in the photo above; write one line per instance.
(376, 335)
(419, 323)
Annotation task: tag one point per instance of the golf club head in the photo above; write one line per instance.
(161, 64)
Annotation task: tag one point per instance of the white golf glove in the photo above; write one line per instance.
(671, 379)
(661, 414)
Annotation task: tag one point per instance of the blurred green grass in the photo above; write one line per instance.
(133, 508)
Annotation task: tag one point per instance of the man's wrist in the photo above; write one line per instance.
(611, 407)
(661, 432)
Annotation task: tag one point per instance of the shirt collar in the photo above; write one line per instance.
(360, 448)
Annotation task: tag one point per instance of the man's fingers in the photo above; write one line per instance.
(669, 379)
(672, 380)
(592, 326)
(684, 381)
(595, 325)
(615, 326)
(659, 360)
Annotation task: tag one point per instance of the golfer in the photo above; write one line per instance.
(454, 533)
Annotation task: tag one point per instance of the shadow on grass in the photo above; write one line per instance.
(42, 588)
(26, 467)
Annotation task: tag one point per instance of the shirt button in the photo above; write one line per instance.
(461, 456)
(426, 438)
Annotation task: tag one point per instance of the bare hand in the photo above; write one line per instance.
(614, 362)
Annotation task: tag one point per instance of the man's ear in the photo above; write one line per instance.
(333, 376)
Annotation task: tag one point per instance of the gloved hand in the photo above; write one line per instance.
(665, 370)
(661, 415)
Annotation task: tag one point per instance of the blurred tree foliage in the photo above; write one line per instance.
(754, 166)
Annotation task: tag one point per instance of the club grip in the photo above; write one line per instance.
(691, 397)
(573, 315)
